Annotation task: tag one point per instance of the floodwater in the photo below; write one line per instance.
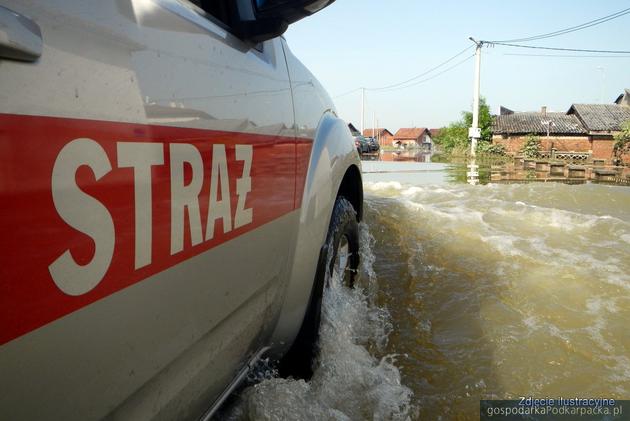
(469, 292)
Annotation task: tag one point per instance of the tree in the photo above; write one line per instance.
(455, 135)
(485, 120)
(622, 141)
(623, 137)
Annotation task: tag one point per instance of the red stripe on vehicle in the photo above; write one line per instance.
(34, 234)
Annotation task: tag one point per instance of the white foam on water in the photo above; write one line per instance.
(504, 244)
(369, 279)
(430, 210)
(382, 185)
(349, 382)
(620, 371)
(517, 228)
(412, 191)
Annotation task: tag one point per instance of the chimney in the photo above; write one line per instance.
(543, 110)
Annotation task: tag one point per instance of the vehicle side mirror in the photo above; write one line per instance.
(270, 18)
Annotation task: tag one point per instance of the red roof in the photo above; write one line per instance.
(379, 132)
(410, 133)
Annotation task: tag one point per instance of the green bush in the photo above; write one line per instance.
(454, 137)
(490, 149)
(623, 137)
(531, 147)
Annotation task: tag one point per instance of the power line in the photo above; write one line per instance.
(564, 55)
(555, 48)
(347, 93)
(594, 22)
(415, 78)
(421, 74)
(572, 28)
(431, 77)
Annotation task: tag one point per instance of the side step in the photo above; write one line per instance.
(242, 374)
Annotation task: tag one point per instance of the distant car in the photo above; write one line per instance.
(173, 195)
(373, 144)
(361, 144)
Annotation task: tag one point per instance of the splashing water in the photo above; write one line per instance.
(502, 291)
(350, 381)
(486, 292)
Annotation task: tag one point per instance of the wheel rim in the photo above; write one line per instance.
(341, 267)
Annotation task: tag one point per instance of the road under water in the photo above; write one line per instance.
(470, 292)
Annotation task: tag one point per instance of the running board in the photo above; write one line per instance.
(235, 383)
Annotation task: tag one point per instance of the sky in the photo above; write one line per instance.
(367, 43)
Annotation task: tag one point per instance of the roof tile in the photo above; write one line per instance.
(535, 123)
(379, 131)
(601, 117)
(410, 133)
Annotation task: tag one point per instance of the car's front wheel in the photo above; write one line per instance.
(338, 263)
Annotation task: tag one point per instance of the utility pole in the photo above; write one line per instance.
(474, 132)
(362, 110)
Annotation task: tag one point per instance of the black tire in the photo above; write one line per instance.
(298, 362)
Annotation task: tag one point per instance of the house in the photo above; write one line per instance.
(585, 131)
(602, 122)
(417, 137)
(556, 130)
(505, 111)
(384, 136)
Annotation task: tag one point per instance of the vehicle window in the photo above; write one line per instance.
(219, 9)
(221, 12)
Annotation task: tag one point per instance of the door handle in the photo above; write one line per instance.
(20, 37)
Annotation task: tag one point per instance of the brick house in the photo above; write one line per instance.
(413, 138)
(384, 136)
(585, 130)
(555, 130)
(601, 121)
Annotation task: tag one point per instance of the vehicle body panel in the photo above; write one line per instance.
(332, 155)
(168, 325)
(157, 363)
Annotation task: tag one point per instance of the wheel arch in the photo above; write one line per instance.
(352, 189)
(333, 171)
